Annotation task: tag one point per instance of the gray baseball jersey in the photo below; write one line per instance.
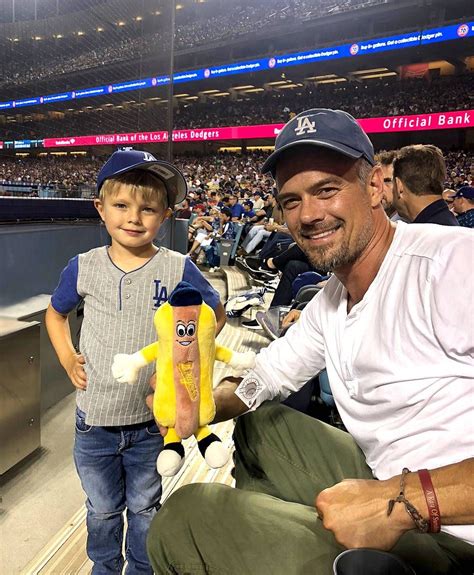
(118, 318)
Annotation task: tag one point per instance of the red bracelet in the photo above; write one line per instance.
(431, 500)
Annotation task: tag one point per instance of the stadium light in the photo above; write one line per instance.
(179, 6)
(209, 92)
(325, 77)
(253, 90)
(157, 12)
(219, 94)
(100, 29)
(181, 95)
(333, 81)
(279, 83)
(138, 18)
(383, 75)
(371, 71)
(80, 33)
(243, 87)
(121, 23)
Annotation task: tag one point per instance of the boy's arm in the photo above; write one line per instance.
(60, 335)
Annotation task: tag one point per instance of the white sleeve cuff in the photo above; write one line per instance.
(252, 391)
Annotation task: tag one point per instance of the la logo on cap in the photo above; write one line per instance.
(305, 126)
(148, 157)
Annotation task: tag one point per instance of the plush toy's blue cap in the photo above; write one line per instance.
(185, 294)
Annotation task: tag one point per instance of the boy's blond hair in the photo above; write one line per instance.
(140, 182)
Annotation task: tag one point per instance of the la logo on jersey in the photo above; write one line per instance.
(148, 157)
(305, 126)
(161, 294)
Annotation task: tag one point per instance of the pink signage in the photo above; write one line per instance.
(1, 145)
(440, 121)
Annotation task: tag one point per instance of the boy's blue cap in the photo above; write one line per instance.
(124, 161)
(465, 192)
(332, 129)
(185, 294)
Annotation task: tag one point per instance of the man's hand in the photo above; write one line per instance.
(355, 510)
(290, 318)
(75, 370)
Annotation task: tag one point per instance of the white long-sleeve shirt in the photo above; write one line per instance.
(400, 363)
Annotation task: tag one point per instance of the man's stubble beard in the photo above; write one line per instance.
(330, 258)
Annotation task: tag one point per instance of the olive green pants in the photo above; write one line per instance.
(268, 524)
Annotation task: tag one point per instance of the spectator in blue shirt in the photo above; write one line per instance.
(464, 206)
(236, 209)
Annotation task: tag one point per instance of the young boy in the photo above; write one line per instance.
(117, 440)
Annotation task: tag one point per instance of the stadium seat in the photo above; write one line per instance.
(325, 389)
(235, 244)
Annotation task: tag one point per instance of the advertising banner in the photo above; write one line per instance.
(439, 121)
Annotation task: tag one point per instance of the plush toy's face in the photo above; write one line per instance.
(185, 331)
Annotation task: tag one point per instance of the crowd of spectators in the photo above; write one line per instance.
(381, 97)
(225, 172)
(32, 61)
(65, 173)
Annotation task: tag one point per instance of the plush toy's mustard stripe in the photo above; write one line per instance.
(150, 352)
(223, 354)
(187, 379)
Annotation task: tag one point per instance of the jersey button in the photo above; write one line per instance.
(128, 281)
(127, 296)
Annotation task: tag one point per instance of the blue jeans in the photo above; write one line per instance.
(117, 469)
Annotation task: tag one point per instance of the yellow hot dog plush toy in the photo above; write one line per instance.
(184, 353)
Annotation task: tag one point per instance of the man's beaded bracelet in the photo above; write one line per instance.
(421, 523)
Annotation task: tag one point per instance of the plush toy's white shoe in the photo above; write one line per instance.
(169, 462)
(216, 455)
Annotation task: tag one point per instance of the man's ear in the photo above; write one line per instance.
(99, 207)
(375, 186)
(399, 187)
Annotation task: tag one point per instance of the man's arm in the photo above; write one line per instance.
(228, 405)
(221, 318)
(355, 510)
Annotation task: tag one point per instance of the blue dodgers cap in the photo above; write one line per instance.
(185, 294)
(332, 129)
(124, 161)
(465, 192)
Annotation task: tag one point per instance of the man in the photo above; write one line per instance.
(236, 208)
(463, 204)
(385, 159)
(184, 211)
(396, 341)
(419, 173)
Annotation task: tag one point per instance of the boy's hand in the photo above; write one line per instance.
(149, 402)
(75, 370)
